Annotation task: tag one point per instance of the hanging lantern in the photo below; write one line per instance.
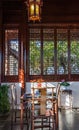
(34, 10)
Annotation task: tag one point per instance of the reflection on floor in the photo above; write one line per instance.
(68, 120)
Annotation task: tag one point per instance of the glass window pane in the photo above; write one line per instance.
(48, 51)
(35, 52)
(62, 52)
(74, 46)
(11, 52)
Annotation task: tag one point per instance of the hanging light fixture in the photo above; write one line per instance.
(34, 10)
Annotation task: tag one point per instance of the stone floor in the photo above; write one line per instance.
(68, 120)
(3, 121)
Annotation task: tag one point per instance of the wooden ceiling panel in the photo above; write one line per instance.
(52, 10)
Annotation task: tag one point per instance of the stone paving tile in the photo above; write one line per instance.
(68, 120)
(3, 121)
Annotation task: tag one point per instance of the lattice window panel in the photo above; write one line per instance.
(74, 46)
(48, 51)
(62, 34)
(11, 52)
(62, 51)
(48, 34)
(34, 34)
(74, 34)
(35, 51)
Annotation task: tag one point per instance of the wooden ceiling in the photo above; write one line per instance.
(53, 11)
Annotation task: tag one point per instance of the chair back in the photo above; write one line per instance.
(57, 89)
(13, 96)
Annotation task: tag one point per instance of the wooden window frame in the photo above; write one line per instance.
(55, 77)
(10, 78)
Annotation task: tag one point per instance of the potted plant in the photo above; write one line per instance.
(64, 84)
(4, 99)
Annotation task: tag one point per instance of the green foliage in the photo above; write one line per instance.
(4, 99)
(46, 53)
(64, 84)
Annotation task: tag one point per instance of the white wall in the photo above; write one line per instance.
(75, 93)
(74, 86)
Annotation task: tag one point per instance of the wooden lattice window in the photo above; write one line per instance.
(35, 52)
(48, 52)
(62, 51)
(54, 50)
(74, 46)
(11, 52)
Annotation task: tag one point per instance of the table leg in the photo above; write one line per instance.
(21, 116)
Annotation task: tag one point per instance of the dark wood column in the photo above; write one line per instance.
(22, 70)
(0, 38)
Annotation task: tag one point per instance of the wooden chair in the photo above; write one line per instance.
(25, 112)
(43, 117)
(16, 110)
(57, 104)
